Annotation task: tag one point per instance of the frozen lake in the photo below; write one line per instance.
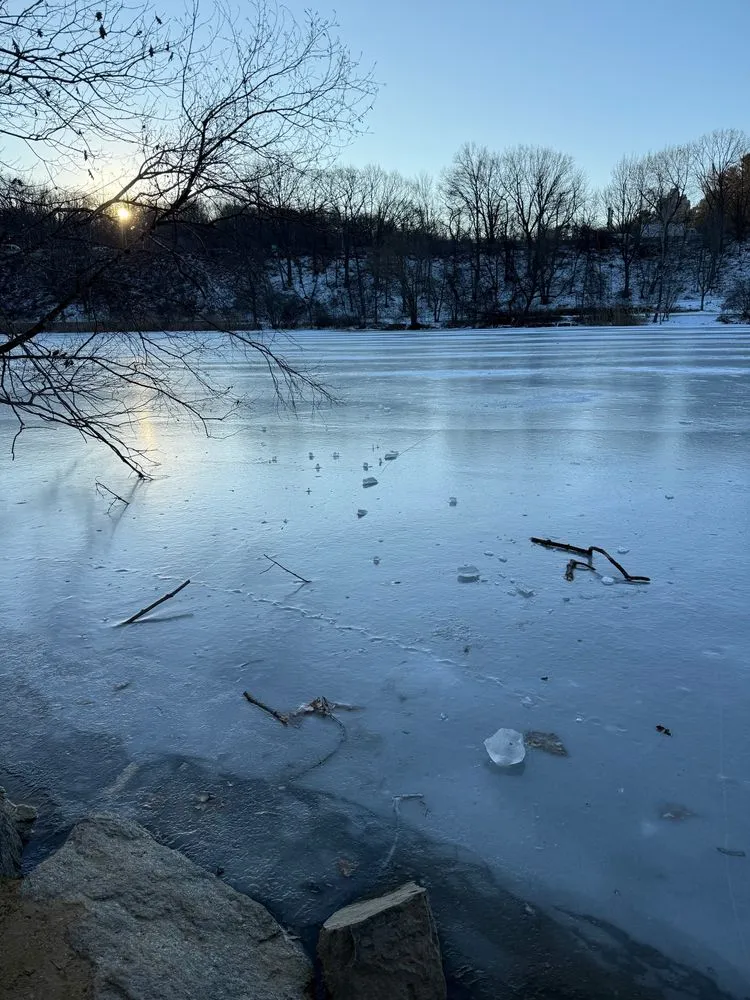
(602, 872)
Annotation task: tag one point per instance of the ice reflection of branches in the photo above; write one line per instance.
(87, 382)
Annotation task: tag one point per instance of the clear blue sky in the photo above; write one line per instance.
(595, 78)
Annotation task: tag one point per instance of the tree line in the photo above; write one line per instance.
(495, 238)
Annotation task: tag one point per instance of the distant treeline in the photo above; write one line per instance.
(498, 237)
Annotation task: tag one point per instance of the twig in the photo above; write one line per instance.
(116, 497)
(397, 800)
(283, 719)
(143, 611)
(324, 708)
(295, 575)
(589, 553)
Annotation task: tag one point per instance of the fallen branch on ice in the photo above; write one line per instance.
(295, 575)
(144, 611)
(317, 706)
(589, 553)
(283, 719)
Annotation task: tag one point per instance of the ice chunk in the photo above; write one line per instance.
(468, 574)
(505, 747)
(525, 591)
(361, 512)
(608, 581)
(623, 551)
(452, 501)
(390, 455)
(370, 481)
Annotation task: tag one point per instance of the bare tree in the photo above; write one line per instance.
(422, 277)
(666, 180)
(627, 214)
(472, 187)
(196, 119)
(545, 193)
(716, 155)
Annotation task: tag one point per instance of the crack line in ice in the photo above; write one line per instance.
(319, 616)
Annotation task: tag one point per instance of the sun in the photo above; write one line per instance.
(123, 213)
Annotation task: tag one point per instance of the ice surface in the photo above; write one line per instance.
(570, 434)
(505, 747)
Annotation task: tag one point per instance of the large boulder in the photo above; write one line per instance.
(10, 841)
(153, 924)
(383, 949)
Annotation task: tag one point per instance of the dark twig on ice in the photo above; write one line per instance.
(318, 706)
(106, 492)
(397, 800)
(295, 575)
(144, 611)
(283, 719)
(589, 553)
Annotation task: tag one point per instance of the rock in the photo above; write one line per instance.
(383, 949)
(153, 924)
(361, 512)
(10, 841)
(452, 502)
(468, 574)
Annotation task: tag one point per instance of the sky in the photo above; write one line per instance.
(594, 78)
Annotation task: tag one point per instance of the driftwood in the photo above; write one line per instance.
(295, 575)
(144, 611)
(589, 554)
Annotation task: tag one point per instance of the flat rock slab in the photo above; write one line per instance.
(383, 949)
(153, 924)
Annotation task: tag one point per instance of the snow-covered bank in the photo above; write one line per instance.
(624, 438)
